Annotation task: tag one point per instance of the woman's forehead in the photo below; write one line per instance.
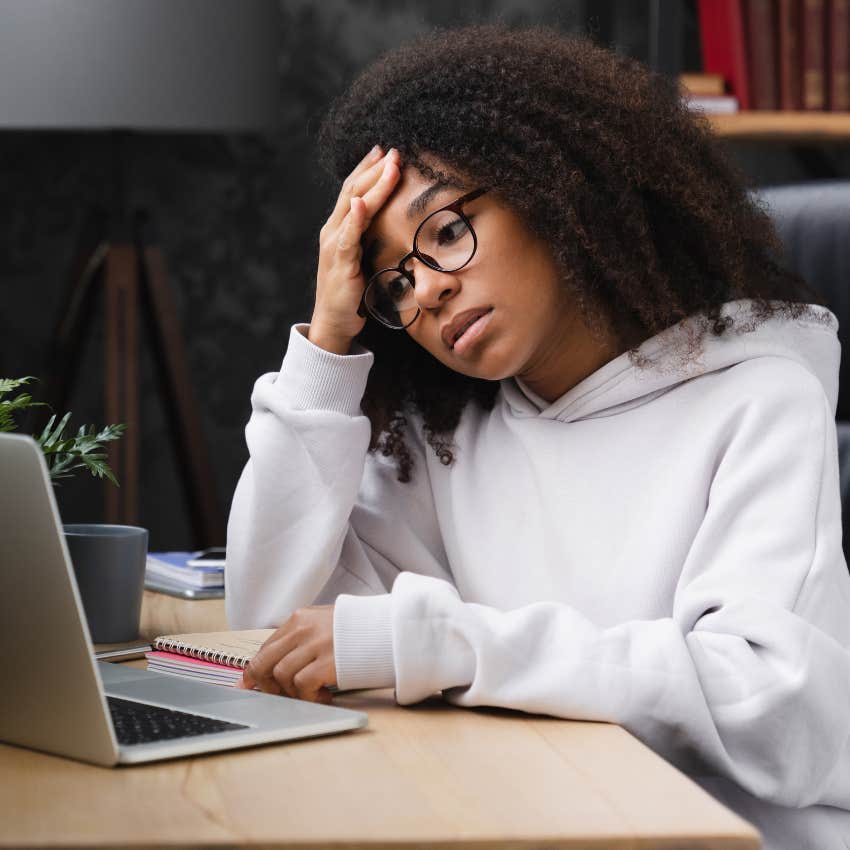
(411, 200)
(404, 204)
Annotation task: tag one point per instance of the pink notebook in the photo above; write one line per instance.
(193, 668)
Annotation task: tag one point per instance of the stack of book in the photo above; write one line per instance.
(779, 54)
(181, 574)
(707, 92)
(216, 657)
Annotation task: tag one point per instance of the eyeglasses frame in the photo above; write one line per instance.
(455, 207)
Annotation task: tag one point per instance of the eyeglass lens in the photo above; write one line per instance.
(445, 242)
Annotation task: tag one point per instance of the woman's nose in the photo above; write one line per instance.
(432, 288)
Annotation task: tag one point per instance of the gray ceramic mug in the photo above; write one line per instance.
(109, 564)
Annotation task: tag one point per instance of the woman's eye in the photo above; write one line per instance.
(397, 288)
(452, 231)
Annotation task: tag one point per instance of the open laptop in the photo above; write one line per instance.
(57, 698)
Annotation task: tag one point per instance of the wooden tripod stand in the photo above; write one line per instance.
(120, 259)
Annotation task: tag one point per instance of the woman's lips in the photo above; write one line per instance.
(451, 331)
(472, 333)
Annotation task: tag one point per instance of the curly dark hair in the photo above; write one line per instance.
(647, 220)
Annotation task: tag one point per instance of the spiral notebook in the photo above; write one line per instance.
(231, 649)
(217, 657)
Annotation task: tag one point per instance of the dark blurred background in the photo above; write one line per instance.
(238, 218)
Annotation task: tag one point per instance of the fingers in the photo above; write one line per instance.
(337, 318)
(360, 214)
(283, 667)
(367, 165)
(304, 680)
(246, 682)
(309, 684)
(298, 675)
(260, 669)
(348, 246)
(377, 195)
(360, 181)
(294, 675)
(324, 696)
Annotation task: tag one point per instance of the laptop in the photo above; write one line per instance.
(59, 699)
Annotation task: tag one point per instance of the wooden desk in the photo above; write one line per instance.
(170, 615)
(422, 776)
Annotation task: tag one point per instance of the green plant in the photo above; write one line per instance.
(63, 452)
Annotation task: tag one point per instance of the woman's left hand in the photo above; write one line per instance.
(298, 659)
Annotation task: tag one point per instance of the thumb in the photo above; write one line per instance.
(246, 682)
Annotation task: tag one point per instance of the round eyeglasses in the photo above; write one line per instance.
(444, 241)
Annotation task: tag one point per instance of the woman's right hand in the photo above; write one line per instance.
(340, 282)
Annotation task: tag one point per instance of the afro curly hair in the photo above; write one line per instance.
(647, 220)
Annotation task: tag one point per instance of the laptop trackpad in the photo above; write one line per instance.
(174, 691)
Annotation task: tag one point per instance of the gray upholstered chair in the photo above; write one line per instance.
(813, 221)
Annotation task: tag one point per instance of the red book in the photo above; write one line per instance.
(838, 55)
(761, 52)
(813, 38)
(721, 28)
(788, 50)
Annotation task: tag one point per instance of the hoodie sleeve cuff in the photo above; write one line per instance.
(315, 379)
(363, 642)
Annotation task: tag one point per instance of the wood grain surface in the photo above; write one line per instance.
(427, 775)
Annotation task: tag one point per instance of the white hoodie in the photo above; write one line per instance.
(659, 548)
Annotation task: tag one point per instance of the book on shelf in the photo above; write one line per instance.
(703, 85)
(778, 54)
(788, 53)
(174, 568)
(838, 55)
(706, 93)
(760, 40)
(722, 40)
(813, 55)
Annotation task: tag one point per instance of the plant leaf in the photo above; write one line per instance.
(49, 440)
(64, 453)
(21, 402)
(9, 384)
(82, 451)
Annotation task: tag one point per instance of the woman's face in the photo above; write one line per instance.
(510, 288)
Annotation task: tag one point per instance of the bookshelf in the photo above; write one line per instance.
(757, 125)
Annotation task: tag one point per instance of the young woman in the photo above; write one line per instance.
(559, 436)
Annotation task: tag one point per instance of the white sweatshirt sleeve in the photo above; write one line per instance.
(313, 514)
(749, 677)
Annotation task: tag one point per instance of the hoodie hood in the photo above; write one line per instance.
(811, 340)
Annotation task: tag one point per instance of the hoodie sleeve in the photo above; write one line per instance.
(313, 514)
(749, 677)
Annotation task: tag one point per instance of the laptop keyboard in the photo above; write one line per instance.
(140, 723)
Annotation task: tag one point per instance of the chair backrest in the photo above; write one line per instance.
(813, 222)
